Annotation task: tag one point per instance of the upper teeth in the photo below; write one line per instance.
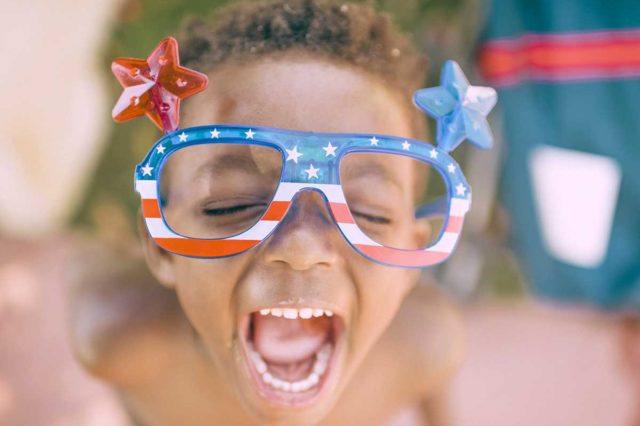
(293, 313)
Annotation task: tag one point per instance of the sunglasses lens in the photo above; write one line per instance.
(218, 190)
(396, 200)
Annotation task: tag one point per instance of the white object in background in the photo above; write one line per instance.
(575, 195)
(53, 109)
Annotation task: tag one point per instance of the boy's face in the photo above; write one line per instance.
(305, 263)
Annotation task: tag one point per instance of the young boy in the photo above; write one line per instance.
(388, 344)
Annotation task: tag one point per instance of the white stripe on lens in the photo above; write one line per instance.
(355, 235)
(147, 188)
(257, 232)
(287, 190)
(158, 229)
(446, 243)
(459, 206)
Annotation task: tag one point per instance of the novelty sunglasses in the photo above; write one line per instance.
(219, 190)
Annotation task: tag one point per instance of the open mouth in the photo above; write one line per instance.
(291, 353)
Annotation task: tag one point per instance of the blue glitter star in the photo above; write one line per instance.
(459, 108)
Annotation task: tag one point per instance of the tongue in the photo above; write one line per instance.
(282, 340)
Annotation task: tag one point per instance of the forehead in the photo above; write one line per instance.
(300, 94)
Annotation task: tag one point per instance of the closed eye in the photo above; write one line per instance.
(372, 218)
(231, 209)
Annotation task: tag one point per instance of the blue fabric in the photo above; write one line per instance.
(596, 115)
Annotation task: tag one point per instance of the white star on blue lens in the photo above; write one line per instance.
(182, 137)
(160, 149)
(459, 109)
(146, 170)
(312, 172)
(215, 134)
(329, 150)
(293, 154)
(249, 134)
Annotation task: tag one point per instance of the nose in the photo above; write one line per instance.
(306, 237)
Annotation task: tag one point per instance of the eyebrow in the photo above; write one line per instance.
(371, 169)
(226, 162)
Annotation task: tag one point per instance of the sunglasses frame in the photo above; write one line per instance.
(310, 161)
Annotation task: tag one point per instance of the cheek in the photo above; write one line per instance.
(381, 292)
(205, 288)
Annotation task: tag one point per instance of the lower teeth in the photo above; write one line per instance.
(319, 367)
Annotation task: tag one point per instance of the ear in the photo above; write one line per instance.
(160, 262)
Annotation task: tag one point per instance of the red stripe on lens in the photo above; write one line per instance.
(276, 210)
(455, 224)
(341, 213)
(416, 258)
(150, 208)
(205, 248)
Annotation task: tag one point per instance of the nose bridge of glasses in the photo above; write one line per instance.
(329, 198)
(307, 209)
(306, 197)
(310, 192)
(330, 193)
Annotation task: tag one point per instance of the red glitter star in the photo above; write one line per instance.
(155, 86)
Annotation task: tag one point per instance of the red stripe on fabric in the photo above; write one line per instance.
(205, 248)
(150, 208)
(392, 256)
(276, 210)
(341, 213)
(561, 57)
(455, 224)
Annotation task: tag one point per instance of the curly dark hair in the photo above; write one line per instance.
(352, 33)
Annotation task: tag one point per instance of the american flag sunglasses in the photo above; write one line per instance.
(308, 161)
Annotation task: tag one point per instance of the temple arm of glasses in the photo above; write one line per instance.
(437, 207)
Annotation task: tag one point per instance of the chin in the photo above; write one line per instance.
(290, 361)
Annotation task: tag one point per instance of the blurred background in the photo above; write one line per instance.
(548, 274)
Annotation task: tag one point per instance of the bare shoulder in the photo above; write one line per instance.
(121, 320)
(430, 333)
